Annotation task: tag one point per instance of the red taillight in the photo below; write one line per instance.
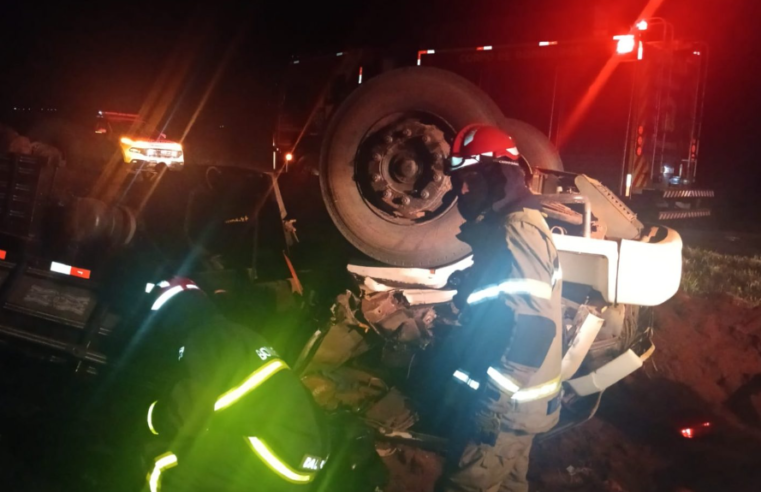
(3, 254)
(626, 43)
(697, 431)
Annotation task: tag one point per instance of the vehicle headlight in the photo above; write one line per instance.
(135, 150)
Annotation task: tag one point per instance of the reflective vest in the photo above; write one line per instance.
(230, 385)
(517, 266)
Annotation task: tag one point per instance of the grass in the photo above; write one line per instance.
(706, 273)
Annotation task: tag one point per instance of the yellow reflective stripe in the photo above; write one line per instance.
(276, 465)
(526, 394)
(505, 382)
(163, 462)
(461, 376)
(538, 392)
(150, 418)
(524, 286)
(255, 379)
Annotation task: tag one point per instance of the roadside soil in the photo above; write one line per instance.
(706, 370)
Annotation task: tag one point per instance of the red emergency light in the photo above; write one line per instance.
(3, 254)
(626, 43)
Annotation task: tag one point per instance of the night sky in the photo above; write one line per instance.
(111, 54)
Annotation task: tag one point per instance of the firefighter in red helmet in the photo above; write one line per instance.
(511, 316)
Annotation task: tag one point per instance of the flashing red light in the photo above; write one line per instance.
(642, 25)
(626, 43)
(3, 254)
(288, 157)
(688, 433)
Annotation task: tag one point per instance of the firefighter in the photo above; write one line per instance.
(231, 415)
(509, 302)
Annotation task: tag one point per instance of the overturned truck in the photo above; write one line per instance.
(380, 173)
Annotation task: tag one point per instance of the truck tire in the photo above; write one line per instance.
(386, 143)
(533, 145)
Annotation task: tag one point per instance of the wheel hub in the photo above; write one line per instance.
(404, 175)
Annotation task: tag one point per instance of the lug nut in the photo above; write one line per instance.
(424, 194)
(437, 178)
(377, 157)
(388, 139)
(426, 138)
(407, 132)
(406, 200)
(387, 194)
(376, 177)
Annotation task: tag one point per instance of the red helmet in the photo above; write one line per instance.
(475, 141)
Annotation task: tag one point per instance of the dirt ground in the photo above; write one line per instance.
(706, 370)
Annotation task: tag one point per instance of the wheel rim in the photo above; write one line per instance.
(399, 169)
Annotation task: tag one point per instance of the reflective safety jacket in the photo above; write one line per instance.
(511, 298)
(236, 417)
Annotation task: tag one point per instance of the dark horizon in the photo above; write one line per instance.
(111, 56)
